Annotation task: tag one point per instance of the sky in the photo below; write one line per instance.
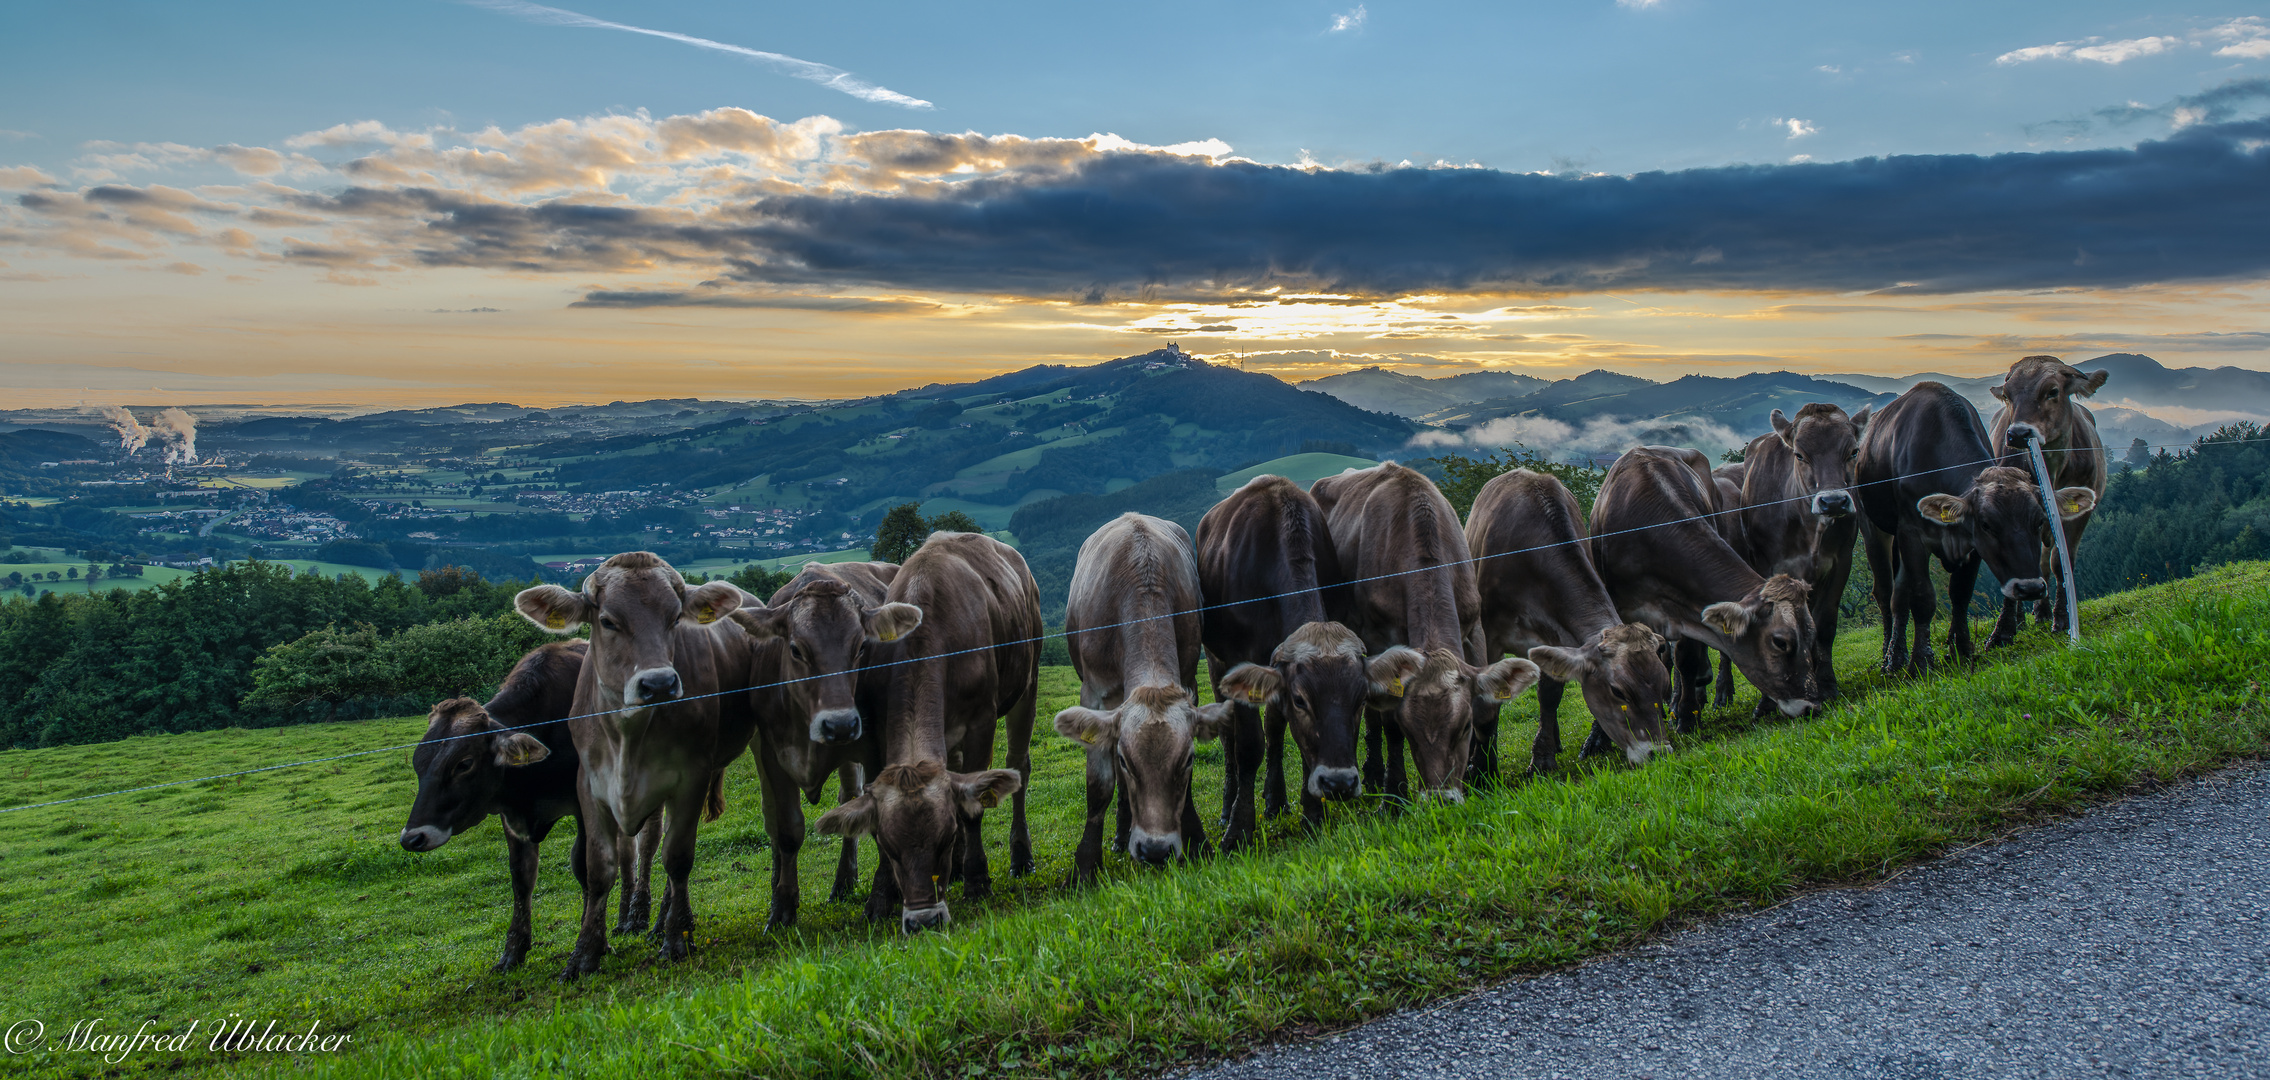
(428, 203)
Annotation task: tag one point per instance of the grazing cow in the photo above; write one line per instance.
(1412, 584)
(1728, 479)
(1929, 486)
(513, 758)
(804, 675)
(1542, 599)
(1132, 622)
(2038, 392)
(644, 750)
(1265, 564)
(1799, 516)
(939, 692)
(1667, 567)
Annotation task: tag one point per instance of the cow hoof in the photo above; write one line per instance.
(780, 921)
(579, 965)
(677, 946)
(977, 889)
(1021, 867)
(507, 962)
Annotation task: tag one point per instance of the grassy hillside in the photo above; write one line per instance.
(283, 894)
(1302, 469)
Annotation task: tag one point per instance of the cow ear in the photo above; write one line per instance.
(1559, 664)
(762, 623)
(1089, 727)
(2001, 393)
(553, 608)
(1252, 684)
(2094, 383)
(1506, 678)
(1728, 617)
(1207, 721)
(1391, 669)
(854, 818)
(1781, 426)
(891, 621)
(518, 748)
(982, 791)
(1860, 419)
(708, 603)
(1941, 509)
(2073, 502)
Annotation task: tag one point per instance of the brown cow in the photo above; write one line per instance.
(1667, 567)
(1728, 479)
(514, 758)
(1132, 622)
(804, 678)
(939, 692)
(1265, 565)
(1412, 584)
(1542, 599)
(2038, 392)
(644, 750)
(1799, 516)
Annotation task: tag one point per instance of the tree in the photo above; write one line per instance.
(2139, 454)
(899, 533)
(1463, 477)
(94, 574)
(955, 521)
(760, 582)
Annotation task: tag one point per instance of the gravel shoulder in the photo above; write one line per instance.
(2133, 941)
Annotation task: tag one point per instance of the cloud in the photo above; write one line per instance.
(857, 305)
(1598, 436)
(2246, 38)
(19, 177)
(830, 77)
(1639, 5)
(2218, 105)
(1348, 21)
(1798, 129)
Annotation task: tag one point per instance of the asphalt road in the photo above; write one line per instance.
(2132, 942)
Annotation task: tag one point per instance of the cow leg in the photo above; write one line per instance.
(520, 854)
(1194, 845)
(1827, 595)
(1722, 694)
(635, 855)
(1124, 820)
(1482, 764)
(1375, 773)
(1019, 727)
(1545, 753)
(1244, 738)
(883, 896)
(1913, 603)
(1692, 659)
(847, 864)
(1962, 581)
(2006, 625)
(1312, 808)
(599, 858)
(1273, 776)
(1878, 547)
(1102, 784)
(575, 851)
(677, 921)
(1398, 784)
(784, 828)
(977, 876)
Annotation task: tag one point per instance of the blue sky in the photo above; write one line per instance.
(226, 199)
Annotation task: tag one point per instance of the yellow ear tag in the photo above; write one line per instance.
(705, 613)
(556, 621)
(1947, 515)
(1088, 737)
(1396, 687)
(2073, 507)
(888, 635)
(1256, 697)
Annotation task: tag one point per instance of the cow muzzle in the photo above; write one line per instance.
(836, 726)
(652, 685)
(424, 838)
(1638, 752)
(2031, 588)
(1152, 849)
(1326, 783)
(915, 920)
(1450, 795)
(1796, 706)
(1832, 504)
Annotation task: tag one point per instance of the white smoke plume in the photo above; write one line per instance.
(131, 436)
(1598, 436)
(177, 430)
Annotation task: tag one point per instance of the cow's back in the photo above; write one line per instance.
(1265, 559)
(1532, 566)
(1929, 439)
(1411, 581)
(978, 646)
(1132, 617)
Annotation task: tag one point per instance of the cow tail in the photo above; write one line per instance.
(713, 806)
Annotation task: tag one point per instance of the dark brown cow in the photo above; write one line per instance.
(804, 680)
(1799, 516)
(1412, 583)
(940, 691)
(1929, 488)
(1668, 568)
(1132, 623)
(2038, 392)
(1542, 599)
(644, 750)
(1265, 563)
(514, 758)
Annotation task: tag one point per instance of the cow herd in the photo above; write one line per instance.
(1359, 610)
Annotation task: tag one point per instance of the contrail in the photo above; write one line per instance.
(832, 78)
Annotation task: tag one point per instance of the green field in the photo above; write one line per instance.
(283, 895)
(1302, 469)
(151, 576)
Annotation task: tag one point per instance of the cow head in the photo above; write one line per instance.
(1825, 444)
(1146, 744)
(2040, 389)
(1625, 684)
(915, 812)
(1436, 708)
(1320, 681)
(634, 603)
(825, 630)
(2001, 518)
(461, 765)
(1769, 635)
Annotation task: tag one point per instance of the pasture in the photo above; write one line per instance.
(283, 895)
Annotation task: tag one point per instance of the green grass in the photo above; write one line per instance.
(283, 895)
(1302, 469)
(150, 577)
